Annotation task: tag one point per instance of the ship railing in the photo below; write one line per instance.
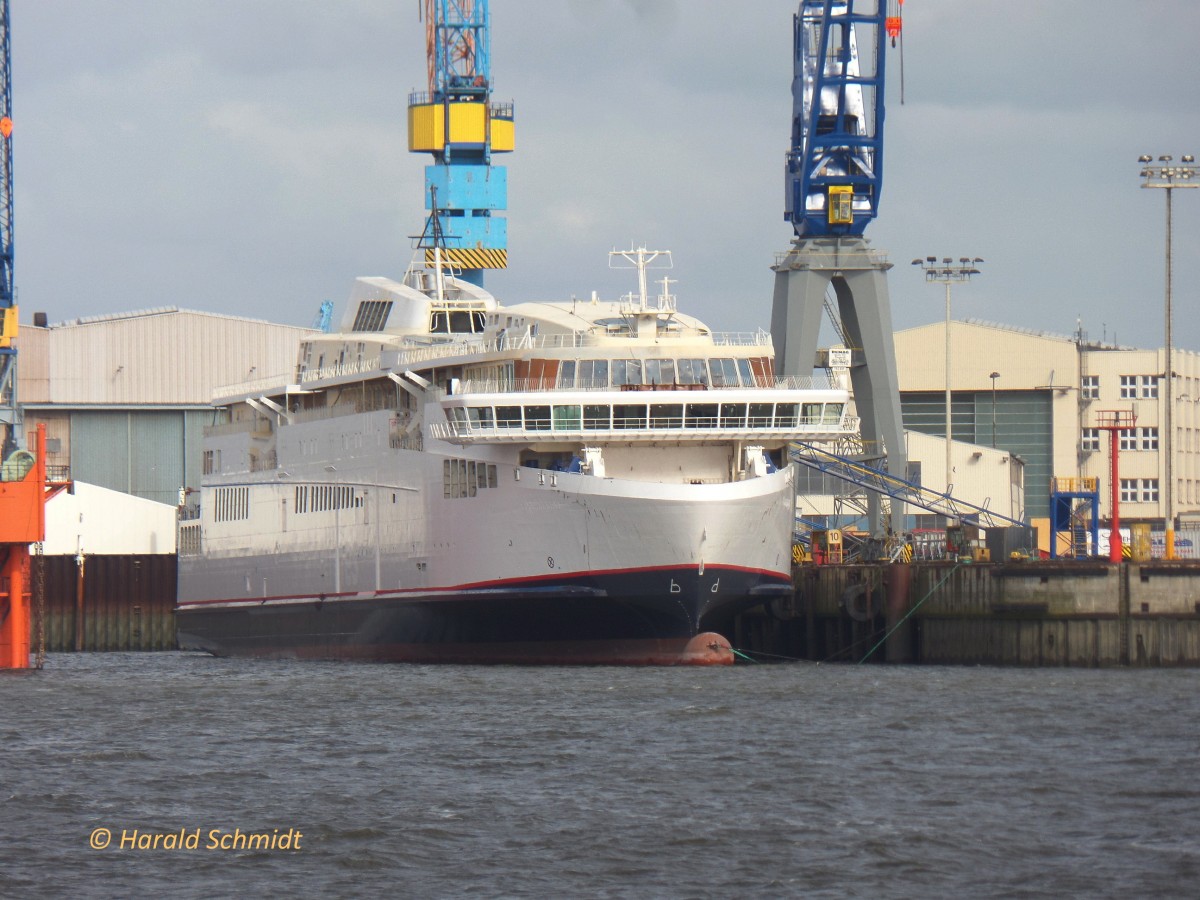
(584, 385)
(341, 370)
(272, 383)
(411, 354)
(653, 427)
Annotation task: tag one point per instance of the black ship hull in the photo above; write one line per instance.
(586, 619)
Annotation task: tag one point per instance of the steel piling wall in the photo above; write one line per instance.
(128, 602)
(1087, 614)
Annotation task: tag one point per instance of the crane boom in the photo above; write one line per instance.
(834, 168)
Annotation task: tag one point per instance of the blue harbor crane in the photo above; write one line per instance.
(10, 412)
(835, 165)
(456, 120)
(834, 175)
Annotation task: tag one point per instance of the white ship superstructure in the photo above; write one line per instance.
(447, 478)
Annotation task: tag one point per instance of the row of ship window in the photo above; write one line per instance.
(324, 497)
(627, 416)
(232, 504)
(466, 478)
(602, 373)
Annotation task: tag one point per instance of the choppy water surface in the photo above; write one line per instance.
(759, 781)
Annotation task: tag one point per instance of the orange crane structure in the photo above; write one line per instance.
(24, 491)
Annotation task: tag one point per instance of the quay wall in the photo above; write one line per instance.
(116, 603)
(1063, 613)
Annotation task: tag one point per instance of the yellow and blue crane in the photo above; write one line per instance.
(457, 121)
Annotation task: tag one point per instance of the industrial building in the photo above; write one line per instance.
(1039, 396)
(125, 397)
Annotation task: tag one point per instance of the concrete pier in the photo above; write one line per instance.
(1089, 614)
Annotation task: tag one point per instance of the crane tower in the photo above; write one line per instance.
(834, 174)
(456, 120)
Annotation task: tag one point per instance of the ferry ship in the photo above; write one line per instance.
(446, 478)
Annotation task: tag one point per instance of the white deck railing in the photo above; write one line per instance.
(651, 429)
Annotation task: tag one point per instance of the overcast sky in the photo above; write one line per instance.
(249, 156)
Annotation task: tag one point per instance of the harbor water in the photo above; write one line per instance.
(133, 774)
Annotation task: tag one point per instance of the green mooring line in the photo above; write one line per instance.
(739, 653)
(904, 618)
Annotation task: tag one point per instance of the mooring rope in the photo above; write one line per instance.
(914, 608)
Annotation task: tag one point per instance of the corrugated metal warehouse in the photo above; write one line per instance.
(125, 397)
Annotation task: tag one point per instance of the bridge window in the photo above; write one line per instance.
(832, 415)
(566, 373)
(567, 418)
(627, 416)
(626, 371)
(597, 417)
(660, 371)
(508, 417)
(593, 373)
(666, 415)
(537, 418)
(785, 415)
(443, 321)
(692, 371)
(746, 373)
(480, 416)
(701, 415)
(724, 372)
(733, 415)
(760, 415)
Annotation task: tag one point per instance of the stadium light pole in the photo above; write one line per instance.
(1168, 176)
(947, 272)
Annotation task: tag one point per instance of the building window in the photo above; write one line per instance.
(1089, 441)
(1129, 439)
(1149, 387)
(1139, 490)
(1091, 387)
(1149, 439)
(1129, 385)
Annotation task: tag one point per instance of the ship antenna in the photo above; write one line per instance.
(434, 238)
